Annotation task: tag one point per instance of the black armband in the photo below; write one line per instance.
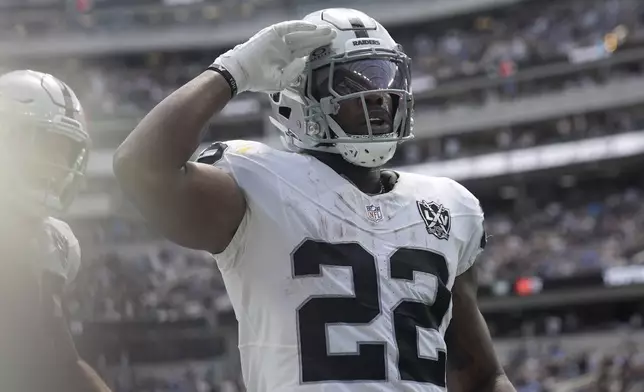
(227, 76)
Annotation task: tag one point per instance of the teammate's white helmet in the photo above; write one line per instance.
(362, 61)
(44, 146)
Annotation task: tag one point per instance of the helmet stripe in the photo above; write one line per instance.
(69, 102)
(360, 30)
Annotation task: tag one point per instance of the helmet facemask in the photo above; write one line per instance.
(355, 79)
(45, 162)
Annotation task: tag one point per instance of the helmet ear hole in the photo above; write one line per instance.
(285, 112)
(275, 97)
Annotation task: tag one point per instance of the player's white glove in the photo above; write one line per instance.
(273, 58)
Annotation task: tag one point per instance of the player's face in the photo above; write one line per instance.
(351, 116)
(366, 76)
(49, 159)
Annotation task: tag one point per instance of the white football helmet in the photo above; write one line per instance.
(44, 146)
(363, 59)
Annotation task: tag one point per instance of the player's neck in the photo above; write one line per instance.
(368, 180)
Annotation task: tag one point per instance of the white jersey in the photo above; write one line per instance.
(336, 290)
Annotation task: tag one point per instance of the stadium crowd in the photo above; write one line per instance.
(152, 281)
(516, 136)
(182, 377)
(573, 235)
(496, 45)
(540, 369)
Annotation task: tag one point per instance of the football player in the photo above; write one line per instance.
(44, 149)
(344, 276)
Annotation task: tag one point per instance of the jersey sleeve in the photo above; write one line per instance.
(470, 211)
(235, 157)
(474, 246)
(249, 163)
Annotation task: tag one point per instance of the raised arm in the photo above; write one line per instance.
(195, 205)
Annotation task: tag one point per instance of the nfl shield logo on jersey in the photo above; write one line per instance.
(436, 217)
(374, 213)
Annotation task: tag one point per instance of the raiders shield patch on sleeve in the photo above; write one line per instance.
(436, 217)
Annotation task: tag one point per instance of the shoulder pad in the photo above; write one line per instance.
(466, 199)
(67, 247)
(62, 232)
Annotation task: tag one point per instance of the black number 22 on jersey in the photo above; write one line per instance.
(369, 362)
